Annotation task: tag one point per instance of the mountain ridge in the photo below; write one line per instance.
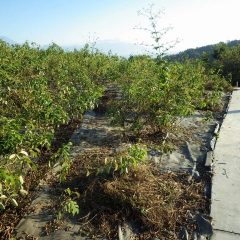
(126, 49)
(194, 53)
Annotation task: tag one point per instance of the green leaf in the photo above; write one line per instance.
(68, 191)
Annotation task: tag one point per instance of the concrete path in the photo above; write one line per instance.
(225, 209)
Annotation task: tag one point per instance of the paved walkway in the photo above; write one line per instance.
(225, 209)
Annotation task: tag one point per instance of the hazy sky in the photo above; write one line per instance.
(66, 22)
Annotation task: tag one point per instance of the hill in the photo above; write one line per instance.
(194, 53)
(6, 39)
(124, 49)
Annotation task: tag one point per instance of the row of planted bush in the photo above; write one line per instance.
(156, 93)
(40, 89)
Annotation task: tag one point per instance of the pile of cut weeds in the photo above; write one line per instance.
(157, 204)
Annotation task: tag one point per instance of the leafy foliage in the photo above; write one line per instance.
(125, 162)
(39, 91)
(227, 60)
(68, 204)
(157, 93)
(197, 53)
(62, 156)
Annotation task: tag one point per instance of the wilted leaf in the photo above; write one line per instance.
(88, 173)
(116, 166)
(14, 202)
(12, 156)
(2, 197)
(24, 152)
(23, 192)
(21, 179)
(2, 207)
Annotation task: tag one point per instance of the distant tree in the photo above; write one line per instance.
(230, 61)
(196, 53)
(218, 50)
(225, 60)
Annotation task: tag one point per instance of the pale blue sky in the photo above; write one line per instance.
(68, 22)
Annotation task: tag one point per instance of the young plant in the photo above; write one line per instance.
(62, 157)
(68, 204)
(126, 161)
(158, 46)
